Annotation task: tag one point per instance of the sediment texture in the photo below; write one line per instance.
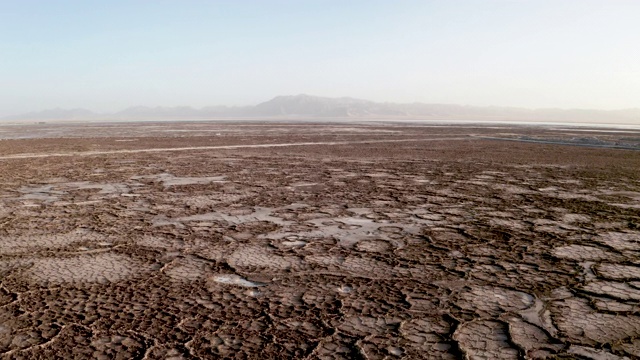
(465, 248)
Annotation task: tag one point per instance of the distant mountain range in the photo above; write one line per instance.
(306, 106)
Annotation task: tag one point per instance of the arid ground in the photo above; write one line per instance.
(317, 240)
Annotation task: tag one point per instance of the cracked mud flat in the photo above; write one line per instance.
(366, 241)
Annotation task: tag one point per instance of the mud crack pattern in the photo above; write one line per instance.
(457, 249)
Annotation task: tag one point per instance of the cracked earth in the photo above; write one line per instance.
(317, 241)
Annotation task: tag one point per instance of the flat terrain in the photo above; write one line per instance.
(317, 240)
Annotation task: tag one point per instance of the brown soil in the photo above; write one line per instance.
(329, 241)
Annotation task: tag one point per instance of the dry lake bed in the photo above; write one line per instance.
(281, 240)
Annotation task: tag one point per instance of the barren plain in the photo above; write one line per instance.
(243, 240)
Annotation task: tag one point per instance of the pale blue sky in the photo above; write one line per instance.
(108, 55)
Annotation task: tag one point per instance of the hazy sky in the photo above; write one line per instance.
(108, 55)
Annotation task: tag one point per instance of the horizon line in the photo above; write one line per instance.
(115, 112)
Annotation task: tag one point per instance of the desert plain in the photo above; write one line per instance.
(362, 240)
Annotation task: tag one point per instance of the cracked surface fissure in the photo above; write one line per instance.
(368, 248)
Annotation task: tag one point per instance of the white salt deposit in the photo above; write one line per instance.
(233, 279)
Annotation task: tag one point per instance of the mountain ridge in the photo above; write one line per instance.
(308, 106)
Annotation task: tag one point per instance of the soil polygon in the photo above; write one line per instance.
(320, 241)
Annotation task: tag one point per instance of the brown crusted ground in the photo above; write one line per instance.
(391, 242)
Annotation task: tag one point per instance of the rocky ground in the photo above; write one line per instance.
(318, 241)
